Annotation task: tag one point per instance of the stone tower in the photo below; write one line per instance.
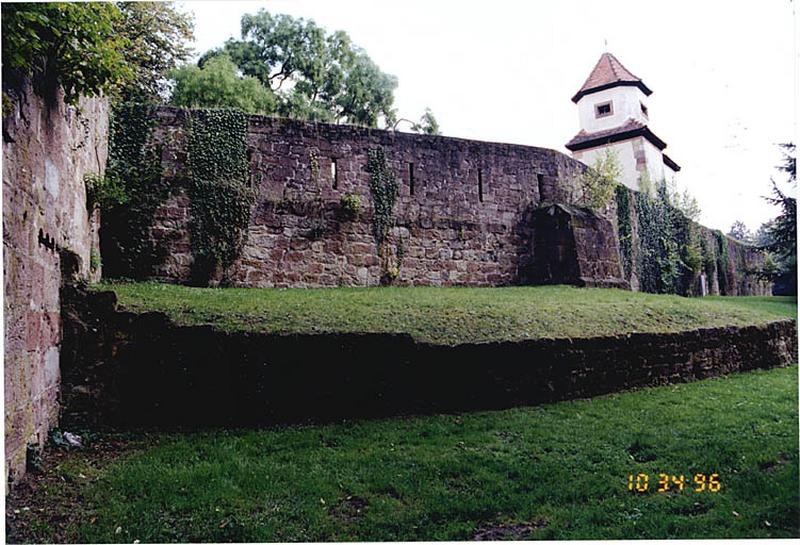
(612, 108)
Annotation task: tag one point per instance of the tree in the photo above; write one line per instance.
(218, 85)
(157, 36)
(596, 184)
(782, 231)
(686, 203)
(313, 75)
(762, 237)
(74, 45)
(740, 232)
(784, 227)
(427, 123)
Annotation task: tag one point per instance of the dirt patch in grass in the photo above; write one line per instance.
(772, 465)
(349, 510)
(45, 504)
(506, 532)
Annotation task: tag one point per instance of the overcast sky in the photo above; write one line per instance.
(722, 73)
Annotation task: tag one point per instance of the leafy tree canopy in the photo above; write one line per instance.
(427, 123)
(76, 45)
(686, 203)
(778, 236)
(313, 74)
(762, 237)
(157, 36)
(740, 232)
(783, 230)
(218, 85)
(92, 48)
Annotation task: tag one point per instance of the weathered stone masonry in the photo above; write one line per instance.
(48, 147)
(128, 369)
(469, 213)
(463, 216)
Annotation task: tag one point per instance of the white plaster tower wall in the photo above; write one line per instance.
(626, 104)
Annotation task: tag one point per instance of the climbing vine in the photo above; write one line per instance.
(625, 230)
(313, 161)
(708, 257)
(672, 250)
(661, 231)
(130, 193)
(384, 188)
(722, 261)
(218, 186)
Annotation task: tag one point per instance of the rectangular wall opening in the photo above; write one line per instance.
(411, 178)
(334, 174)
(480, 185)
(540, 182)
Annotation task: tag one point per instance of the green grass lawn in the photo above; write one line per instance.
(448, 315)
(554, 472)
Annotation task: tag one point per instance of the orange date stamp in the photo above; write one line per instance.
(699, 483)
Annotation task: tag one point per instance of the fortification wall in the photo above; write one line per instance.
(462, 216)
(465, 215)
(645, 228)
(48, 147)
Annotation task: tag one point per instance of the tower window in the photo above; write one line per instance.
(334, 174)
(644, 108)
(603, 109)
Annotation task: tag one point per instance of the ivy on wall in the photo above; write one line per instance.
(666, 262)
(216, 177)
(723, 277)
(130, 193)
(217, 174)
(384, 188)
(624, 229)
(708, 257)
(672, 249)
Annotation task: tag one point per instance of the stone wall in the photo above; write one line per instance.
(128, 370)
(462, 217)
(467, 214)
(48, 147)
(734, 274)
(571, 245)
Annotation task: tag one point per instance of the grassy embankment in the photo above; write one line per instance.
(447, 315)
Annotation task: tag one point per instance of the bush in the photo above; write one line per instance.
(104, 192)
(350, 206)
(218, 85)
(597, 183)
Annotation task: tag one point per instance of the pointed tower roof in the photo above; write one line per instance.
(607, 73)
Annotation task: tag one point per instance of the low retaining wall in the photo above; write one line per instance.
(123, 369)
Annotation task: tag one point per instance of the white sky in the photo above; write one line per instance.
(723, 74)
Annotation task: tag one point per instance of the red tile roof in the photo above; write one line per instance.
(630, 129)
(607, 73)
